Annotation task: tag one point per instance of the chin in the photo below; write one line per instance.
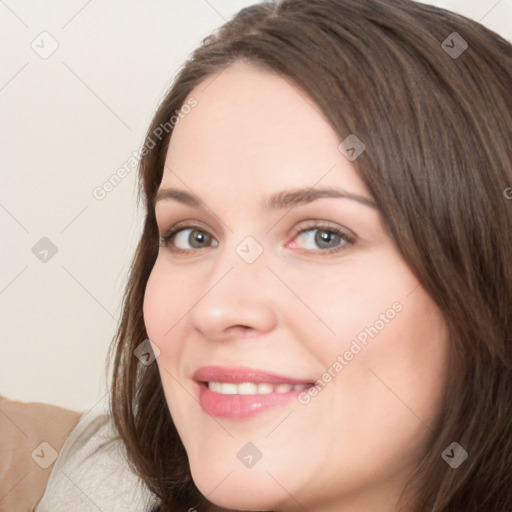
(243, 489)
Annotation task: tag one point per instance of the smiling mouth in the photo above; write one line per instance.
(240, 393)
(244, 400)
(253, 388)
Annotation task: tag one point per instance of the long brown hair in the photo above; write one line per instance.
(436, 119)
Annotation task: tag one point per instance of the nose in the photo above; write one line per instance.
(237, 300)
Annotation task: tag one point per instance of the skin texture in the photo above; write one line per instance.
(292, 311)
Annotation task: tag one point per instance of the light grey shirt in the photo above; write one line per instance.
(91, 472)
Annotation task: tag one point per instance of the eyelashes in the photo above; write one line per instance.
(186, 233)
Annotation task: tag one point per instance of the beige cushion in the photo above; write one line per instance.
(31, 435)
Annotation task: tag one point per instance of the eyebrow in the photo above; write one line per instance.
(280, 200)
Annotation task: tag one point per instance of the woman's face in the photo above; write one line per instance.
(278, 289)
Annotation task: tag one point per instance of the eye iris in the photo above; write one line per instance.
(196, 235)
(325, 237)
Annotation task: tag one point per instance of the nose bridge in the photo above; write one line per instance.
(236, 292)
(244, 263)
(250, 250)
(245, 237)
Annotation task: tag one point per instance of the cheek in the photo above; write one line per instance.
(390, 346)
(361, 302)
(170, 296)
(398, 375)
(153, 307)
(411, 348)
(163, 306)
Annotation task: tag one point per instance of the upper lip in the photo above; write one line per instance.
(241, 374)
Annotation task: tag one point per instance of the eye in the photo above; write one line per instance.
(177, 235)
(329, 238)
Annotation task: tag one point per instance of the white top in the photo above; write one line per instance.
(91, 472)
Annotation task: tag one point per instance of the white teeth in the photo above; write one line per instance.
(224, 387)
(283, 388)
(247, 388)
(264, 389)
(251, 388)
(214, 386)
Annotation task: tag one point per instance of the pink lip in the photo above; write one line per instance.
(241, 406)
(240, 374)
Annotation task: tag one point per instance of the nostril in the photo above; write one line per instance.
(241, 330)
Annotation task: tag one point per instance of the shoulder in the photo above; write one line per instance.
(31, 433)
(92, 472)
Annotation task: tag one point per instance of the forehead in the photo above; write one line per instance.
(253, 130)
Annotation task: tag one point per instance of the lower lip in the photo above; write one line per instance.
(241, 406)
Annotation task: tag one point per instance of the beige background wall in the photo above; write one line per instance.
(69, 119)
